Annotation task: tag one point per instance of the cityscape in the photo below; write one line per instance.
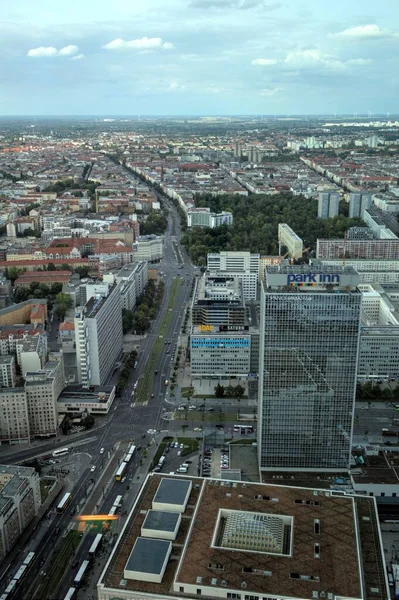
(199, 301)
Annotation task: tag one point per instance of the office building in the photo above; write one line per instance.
(242, 265)
(371, 271)
(99, 338)
(309, 341)
(328, 205)
(358, 203)
(20, 501)
(359, 233)
(8, 375)
(288, 238)
(14, 417)
(383, 226)
(42, 389)
(367, 249)
(205, 538)
(148, 248)
(131, 280)
(218, 301)
(216, 352)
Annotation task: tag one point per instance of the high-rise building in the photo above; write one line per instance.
(358, 203)
(288, 238)
(99, 338)
(328, 204)
(309, 341)
(14, 418)
(242, 265)
(218, 301)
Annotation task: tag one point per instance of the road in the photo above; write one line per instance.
(126, 422)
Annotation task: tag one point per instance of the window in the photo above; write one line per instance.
(198, 592)
(181, 589)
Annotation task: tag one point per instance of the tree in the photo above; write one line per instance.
(51, 267)
(88, 421)
(239, 391)
(219, 391)
(127, 320)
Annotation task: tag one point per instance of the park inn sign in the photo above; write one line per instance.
(310, 278)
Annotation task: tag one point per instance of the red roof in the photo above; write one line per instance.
(67, 326)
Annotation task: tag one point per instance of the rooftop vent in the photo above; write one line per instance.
(214, 581)
(244, 584)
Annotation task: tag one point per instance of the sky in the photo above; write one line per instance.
(199, 57)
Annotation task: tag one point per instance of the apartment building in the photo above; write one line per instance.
(288, 238)
(242, 265)
(358, 203)
(365, 249)
(8, 375)
(20, 501)
(14, 416)
(328, 204)
(148, 248)
(370, 271)
(98, 337)
(203, 217)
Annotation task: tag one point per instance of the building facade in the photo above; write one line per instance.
(148, 248)
(309, 341)
(242, 265)
(288, 238)
(218, 301)
(218, 353)
(14, 416)
(364, 249)
(8, 376)
(328, 205)
(358, 203)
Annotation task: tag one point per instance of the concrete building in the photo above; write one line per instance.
(203, 217)
(97, 401)
(8, 376)
(218, 301)
(242, 265)
(14, 417)
(148, 248)
(42, 390)
(328, 205)
(20, 501)
(288, 238)
(380, 224)
(98, 337)
(309, 342)
(360, 233)
(131, 281)
(366, 249)
(371, 271)
(219, 353)
(358, 203)
(245, 541)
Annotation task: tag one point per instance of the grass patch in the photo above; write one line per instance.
(159, 452)
(246, 441)
(144, 387)
(190, 445)
(45, 487)
(203, 417)
(58, 563)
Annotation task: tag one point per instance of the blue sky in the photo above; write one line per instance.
(174, 57)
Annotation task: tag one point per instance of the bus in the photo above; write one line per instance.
(80, 574)
(96, 544)
(28, 558)
(20, 573)
(60, 452)
(130, 453)
(243, 429)
(70, 594)
(161, 461)
(65, 502)
(112, 511)
(11, 587)
(121, 471)
(118, 502)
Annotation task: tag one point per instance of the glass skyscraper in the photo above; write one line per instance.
(309, 341)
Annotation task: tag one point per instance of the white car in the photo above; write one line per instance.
(151, 431)
(197, 429)
(93, 468)
(102, 450)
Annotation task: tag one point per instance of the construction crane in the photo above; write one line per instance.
(296, 256)
(282, 258)
(344, 258)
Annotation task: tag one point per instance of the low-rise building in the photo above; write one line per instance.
(148, 248)
(96, 401)
(203, 217)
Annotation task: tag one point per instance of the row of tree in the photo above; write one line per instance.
(129, 361)
(229, 391)
(374, 391)
(256, 219)
(156, 223)
(147, 307)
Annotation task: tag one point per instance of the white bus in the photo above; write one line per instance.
(161, 461)
(64, 503)
(20, 573)
(130, 453)
(28, 558)
(60, 452)
(118, 502)
(95, 545)
(80, 574)
(70, 594)
(121, 471)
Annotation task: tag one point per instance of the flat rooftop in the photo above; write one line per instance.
(161, 520)
(172, 491)
(148, 555)
(335, 556)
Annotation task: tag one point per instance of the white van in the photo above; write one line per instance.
(182, 470)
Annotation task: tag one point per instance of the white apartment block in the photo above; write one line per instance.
(203, 217)
(20, 501)
(288, 238)
(131, 281)
(14, 417)
(99, 338)
(242, 265)
(8, 376)
(148, 248)
(371, 271)
(42, 390)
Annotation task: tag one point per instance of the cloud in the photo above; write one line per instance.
(270, 91)
(237, 4)
(361, 32)
(359, 61)
(78, 57)
(265, 62)
(143, 43)
(50, 51)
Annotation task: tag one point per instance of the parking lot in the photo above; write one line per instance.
(173, 460)
(214, 461)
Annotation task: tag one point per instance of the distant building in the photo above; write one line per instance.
(360, 233)
(8, 376)
(328, 205)
(288, 238)
(203, 217)
(365, 249)
(99, 338)
(20, 501)
(358, 202)
(148, 248)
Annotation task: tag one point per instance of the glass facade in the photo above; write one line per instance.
(309, 344)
